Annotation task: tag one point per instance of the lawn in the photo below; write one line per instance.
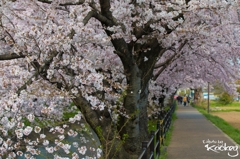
(215, 103)
(215, 106)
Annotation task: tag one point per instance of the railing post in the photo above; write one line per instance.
(168, 121)
(163, 125)
(161, 131)
(152, 145)
(171, 114)
(158, 139)
(144, 146)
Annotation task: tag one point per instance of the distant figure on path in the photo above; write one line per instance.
(185, 100)
(188, 100)
(179, 99)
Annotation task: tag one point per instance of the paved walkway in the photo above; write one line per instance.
(193, 134)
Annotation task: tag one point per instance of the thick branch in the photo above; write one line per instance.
(11, 56)
(106, 18)
(27, 83)
(165, 64)
(147, 66)
(105, 8)
(64, 4)
(95, 118)
(99, 17)
(40, 70)
(146, 29)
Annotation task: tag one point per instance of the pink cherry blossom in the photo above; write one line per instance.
(108, 61)
(27, 130)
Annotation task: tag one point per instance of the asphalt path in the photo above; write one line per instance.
(195, 137)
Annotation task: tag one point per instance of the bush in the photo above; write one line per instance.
(225, 98)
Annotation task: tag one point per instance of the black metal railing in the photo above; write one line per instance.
(151, 148)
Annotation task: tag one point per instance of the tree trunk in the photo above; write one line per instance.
(135, 105)
(125, 140)
(198, 95)
(106, 131)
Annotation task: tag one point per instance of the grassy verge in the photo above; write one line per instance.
(215, 106)
(152, 126)
(226, 110)
(216, 103)
(168, 138)
(221, 124)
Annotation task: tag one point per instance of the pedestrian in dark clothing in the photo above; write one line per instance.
(188, 100)
(179, 99)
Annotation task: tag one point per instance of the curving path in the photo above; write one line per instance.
(193, 134)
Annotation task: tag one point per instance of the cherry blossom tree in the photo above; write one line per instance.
(111, 59)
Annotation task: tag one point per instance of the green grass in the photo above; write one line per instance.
(235, 106)
(168, 137)
(215, 106)
(44, 123)
(221, 124)
(152, 126)
(226, 109)
(68, 115)
(215, 103)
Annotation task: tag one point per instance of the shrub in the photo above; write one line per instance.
(225, 98)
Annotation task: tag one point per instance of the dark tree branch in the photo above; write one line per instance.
(27, 83)
(10, 36)
(64, 4)
(42, 71)
(11, 56)
(165, 64)
(99, 17)
(145, 30)
(89, 16)
(105, 8)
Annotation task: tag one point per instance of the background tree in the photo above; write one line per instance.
(238, 87)
(223, 96)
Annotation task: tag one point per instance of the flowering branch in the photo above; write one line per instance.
(169, 60)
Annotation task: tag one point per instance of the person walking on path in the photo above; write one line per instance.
(188, 100)
(185, 100)
(179, 99)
